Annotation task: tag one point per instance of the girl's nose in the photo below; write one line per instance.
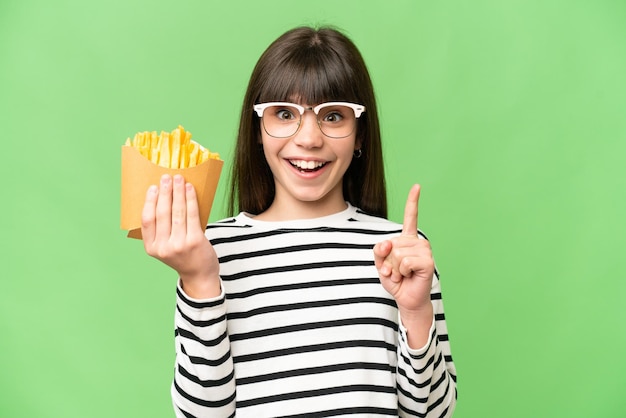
(309, 135)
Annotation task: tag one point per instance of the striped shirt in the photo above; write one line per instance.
(304, 328)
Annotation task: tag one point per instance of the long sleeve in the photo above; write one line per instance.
(426, 378)
(204, 382)
(304, 328)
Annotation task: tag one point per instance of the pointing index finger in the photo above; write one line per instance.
(409, 225)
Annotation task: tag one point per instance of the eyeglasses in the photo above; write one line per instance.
(335, 119)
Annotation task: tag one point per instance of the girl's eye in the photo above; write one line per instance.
(333, 117)
(285, 114)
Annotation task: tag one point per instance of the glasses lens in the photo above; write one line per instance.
(281, 121)
(336, 121)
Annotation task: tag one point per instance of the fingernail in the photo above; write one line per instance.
(165, 179)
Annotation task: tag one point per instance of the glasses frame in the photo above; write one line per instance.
(260, 109)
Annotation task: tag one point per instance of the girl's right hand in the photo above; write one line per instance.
(172, 233)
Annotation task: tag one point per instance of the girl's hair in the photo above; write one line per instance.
(313, 66)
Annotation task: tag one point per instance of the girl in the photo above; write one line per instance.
(308, 302)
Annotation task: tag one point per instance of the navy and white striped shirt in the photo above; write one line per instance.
(304, 328)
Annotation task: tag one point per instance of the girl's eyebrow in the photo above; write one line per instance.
(296, 99)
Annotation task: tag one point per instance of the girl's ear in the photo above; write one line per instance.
(358, 143)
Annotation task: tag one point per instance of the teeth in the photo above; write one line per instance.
(306, 165)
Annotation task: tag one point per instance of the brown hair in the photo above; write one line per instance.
(315, 66)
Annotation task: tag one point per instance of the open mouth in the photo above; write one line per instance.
(307, 166)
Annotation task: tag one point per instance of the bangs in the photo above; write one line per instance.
(310, 76)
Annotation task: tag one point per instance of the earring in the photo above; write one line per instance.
(357, 153)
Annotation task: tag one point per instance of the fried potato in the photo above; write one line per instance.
(171, 150)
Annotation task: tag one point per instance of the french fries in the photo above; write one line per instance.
(171, 150)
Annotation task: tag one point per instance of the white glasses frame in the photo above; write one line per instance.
(357, 108)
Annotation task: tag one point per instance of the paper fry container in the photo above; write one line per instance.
(139, 173)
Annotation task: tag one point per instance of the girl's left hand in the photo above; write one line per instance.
(405, 265)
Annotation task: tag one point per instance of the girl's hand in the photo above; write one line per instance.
(172, 233)
(405, 267)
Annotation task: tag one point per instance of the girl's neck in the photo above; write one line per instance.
(281, 210)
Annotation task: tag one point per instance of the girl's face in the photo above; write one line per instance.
(308, 170)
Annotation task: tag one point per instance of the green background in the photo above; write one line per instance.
(511, 114)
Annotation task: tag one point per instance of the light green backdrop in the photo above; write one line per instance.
(511, 114)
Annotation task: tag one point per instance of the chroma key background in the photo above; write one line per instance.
(511, 114)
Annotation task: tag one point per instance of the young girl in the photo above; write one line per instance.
(308, 302)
